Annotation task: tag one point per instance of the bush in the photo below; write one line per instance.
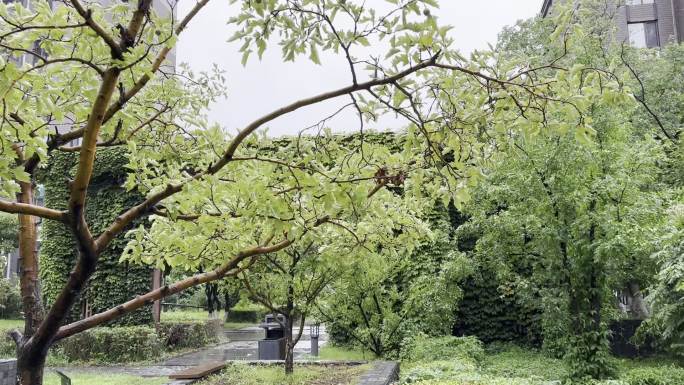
(424, 348)
(7, 347)
(124, 344)
(244, 316)
(435, 371)
(10, 300)
(655, 376)
(112, 344)
(189, 335)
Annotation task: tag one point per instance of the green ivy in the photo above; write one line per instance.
(114, 282)
(494, 314)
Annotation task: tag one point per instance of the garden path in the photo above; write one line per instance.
(241, 345)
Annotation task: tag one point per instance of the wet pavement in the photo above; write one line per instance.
(241, 344)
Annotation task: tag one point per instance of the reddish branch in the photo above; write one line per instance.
(30, 209)
(226, 269)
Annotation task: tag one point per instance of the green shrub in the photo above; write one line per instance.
(244, 316)
(189, 335)
(7, 347)
(437, 370)
(10, 300)
(507, 360)
(425, 348)
(112, 344)
(655, 376)
(124, 344)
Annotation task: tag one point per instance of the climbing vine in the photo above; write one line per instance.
(115, 281)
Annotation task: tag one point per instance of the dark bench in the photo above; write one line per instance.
(198, 372)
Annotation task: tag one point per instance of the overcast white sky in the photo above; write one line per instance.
(264, 86)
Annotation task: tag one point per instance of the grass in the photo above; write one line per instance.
(336, 353)
(105, 379)
(237, 325)
(511, 365)
(7, 324)
(242, 374)
(186, 316)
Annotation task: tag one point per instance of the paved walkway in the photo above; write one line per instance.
(241, 345)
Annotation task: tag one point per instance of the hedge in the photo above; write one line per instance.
(7, 347)
(112, 344)
(246, 315)
(124, 344)
(189, 335)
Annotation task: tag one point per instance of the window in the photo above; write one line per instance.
(643, 35)
(639, 2)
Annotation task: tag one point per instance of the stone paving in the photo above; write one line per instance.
(382, 373)
(242, 345)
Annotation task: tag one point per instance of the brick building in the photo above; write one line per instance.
(643, 23)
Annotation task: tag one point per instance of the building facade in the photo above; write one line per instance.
(643, 23)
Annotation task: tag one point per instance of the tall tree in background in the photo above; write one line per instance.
(95, 77)
(583, 210)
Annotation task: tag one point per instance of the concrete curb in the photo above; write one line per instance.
(8, 372)
(382, 373)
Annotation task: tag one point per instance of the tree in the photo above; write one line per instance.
(95, 77)
(381, 301)
(580, 208)
(232, 291)
(289, 283)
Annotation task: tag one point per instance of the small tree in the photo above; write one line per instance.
(289, 283)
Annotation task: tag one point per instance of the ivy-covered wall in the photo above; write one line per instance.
(492, 313)
(490, 309)
(114, 282)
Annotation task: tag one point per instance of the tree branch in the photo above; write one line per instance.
(154, 295)
(135, 212)
(106, 37)
(29, 209)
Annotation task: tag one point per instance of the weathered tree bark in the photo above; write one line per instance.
(29, 280)
(289, 349)
(289, 309)
(30, 361)
(30, 366)
(638, 307)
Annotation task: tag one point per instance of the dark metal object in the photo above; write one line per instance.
(273, 346)
(314, 333)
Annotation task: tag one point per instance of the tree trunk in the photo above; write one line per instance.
(30, 360)
(289, 341)
(28, 253)
(30, 366)
(289, 349)
(638, 307)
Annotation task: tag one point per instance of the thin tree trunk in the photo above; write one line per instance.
(289, 351)
(28, 252)
(30, 361)
(638, 307)
(30, 367)
(289, 344)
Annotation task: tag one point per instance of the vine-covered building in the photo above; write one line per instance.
(643, 23)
